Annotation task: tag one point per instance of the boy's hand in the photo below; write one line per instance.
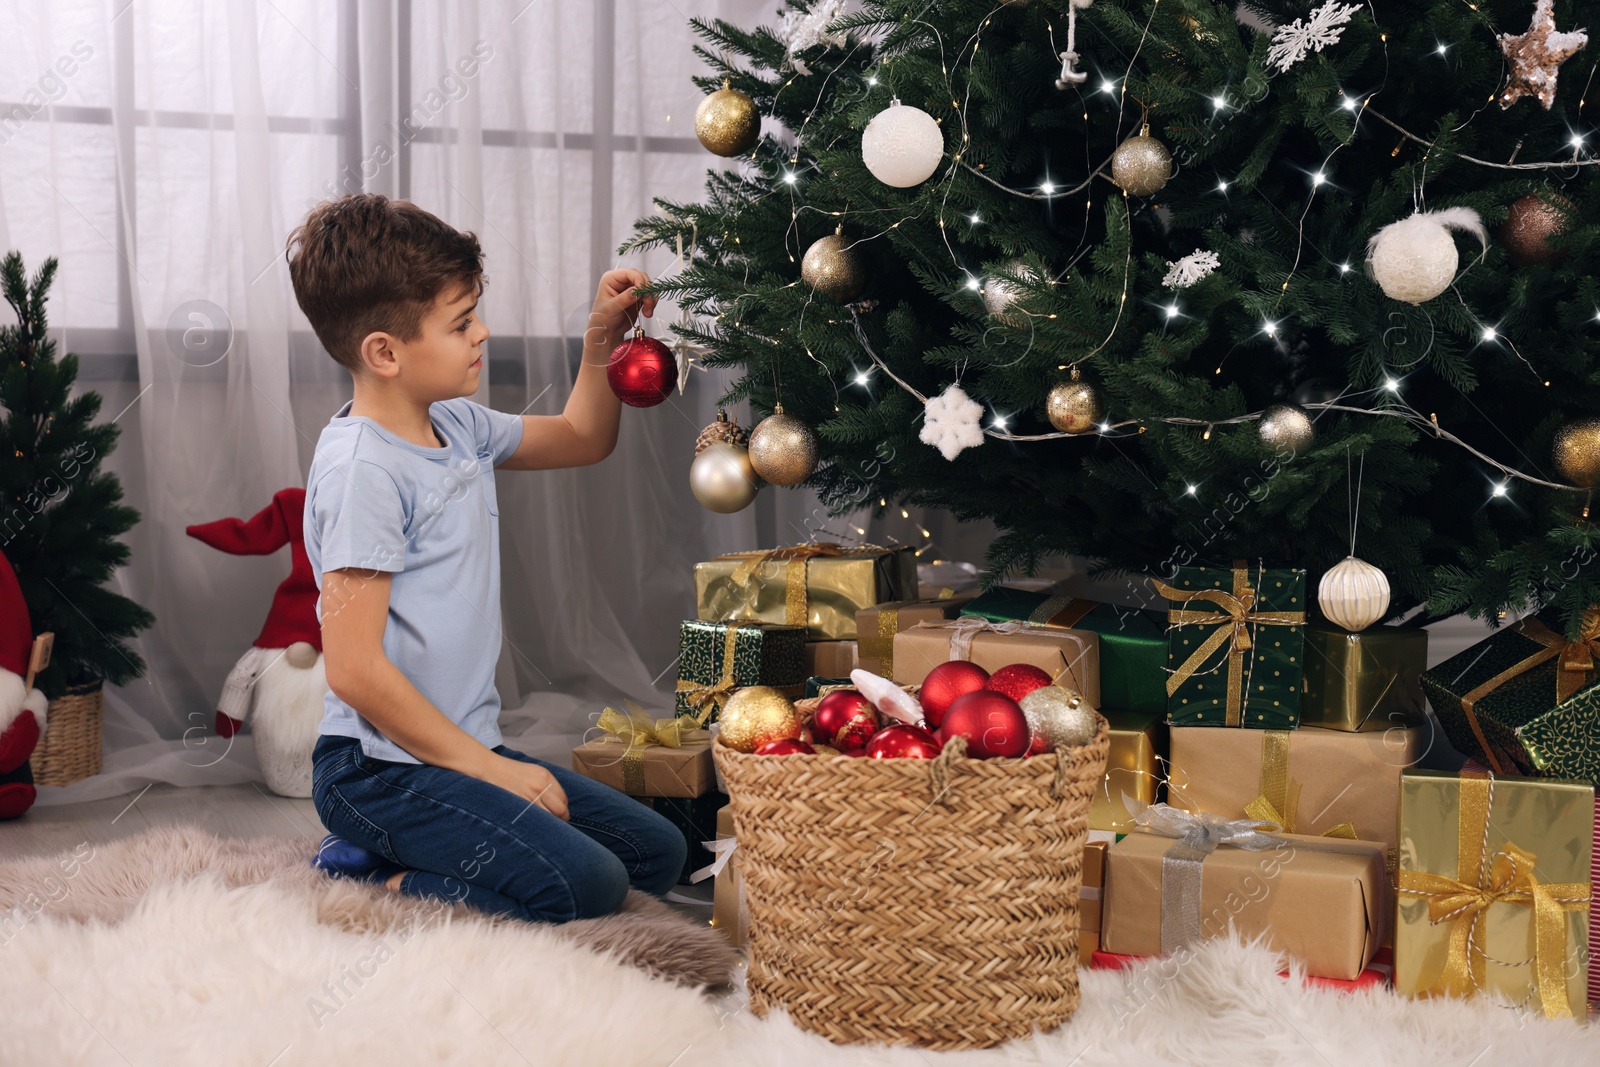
(529, 781)
(616, 306)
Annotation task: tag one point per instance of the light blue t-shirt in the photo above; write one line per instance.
(428, 515)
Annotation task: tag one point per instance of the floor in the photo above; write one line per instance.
(243, 811)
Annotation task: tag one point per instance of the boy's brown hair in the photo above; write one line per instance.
(366, 263)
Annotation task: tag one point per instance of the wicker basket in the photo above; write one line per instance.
(70, 747)
(914, 902)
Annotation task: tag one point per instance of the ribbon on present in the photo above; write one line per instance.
(1234, 619)
(796, 605)
(1576, 665)
(640, 732)
(1063, 612)
(1279, 800)
(722, 848)
(880, 646)
(706, 697)
(1506, 877)
(965, 629)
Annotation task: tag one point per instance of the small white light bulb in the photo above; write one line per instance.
(788, 177)
(1318, 178)
(1489, 334)
(1106, 86)
(1222, 186)
(872, 79)
(1499, 489)
(1271, 328)
(1048, 187)
(1172, 311)
(1349, 103)
(973, 283)
(1344, 268)
(861, 377)
(1392, 385)
(1219, 101)
(1443, 48)
(1190, 489)
(975, 219)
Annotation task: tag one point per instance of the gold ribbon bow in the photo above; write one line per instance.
(796, 607)
(640, 732)
(1576, 662)
(1279, 801)
(706, 697)
(1464, 902)
(1233, 622)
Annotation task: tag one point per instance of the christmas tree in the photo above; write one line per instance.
(1438, 401)
(62, 513)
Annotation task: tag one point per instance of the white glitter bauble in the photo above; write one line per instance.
(1415, 259)
(902, 146)
(1353, 594)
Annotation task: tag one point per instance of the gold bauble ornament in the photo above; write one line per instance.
(1286, 428)
(1353, 594)
(756, 715)
(727, 122)
(1074, 406)
(833, 268)
(783, 449)
(1577, 452)
(1141, 165)
(1529, 225)
(1059, 718)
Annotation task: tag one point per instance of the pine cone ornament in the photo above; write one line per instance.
(722, 432)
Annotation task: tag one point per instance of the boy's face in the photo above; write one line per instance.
(447, 359)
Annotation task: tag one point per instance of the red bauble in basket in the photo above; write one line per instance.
(642, 371)
(1017, 680)
(945, 683)
(992, 723)
(844, 719)
(786, 747)
(901, 741)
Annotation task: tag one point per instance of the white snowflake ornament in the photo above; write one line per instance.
(1190, 269)
(800, 30)
(950, 422)
(1291, 43)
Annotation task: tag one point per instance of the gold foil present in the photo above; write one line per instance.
(1494, 888)
(1133, 769)
(820, 586)
(1353, 679)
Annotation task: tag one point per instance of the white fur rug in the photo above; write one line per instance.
(196, 970)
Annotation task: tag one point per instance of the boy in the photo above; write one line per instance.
(402, 532)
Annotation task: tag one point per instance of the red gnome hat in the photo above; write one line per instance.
(16, 627)
(293, 616)
(23, 711)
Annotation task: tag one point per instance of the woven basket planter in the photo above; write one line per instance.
(914, 902)
(70, 747)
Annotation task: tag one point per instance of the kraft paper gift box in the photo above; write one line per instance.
(1308, 781)
(1234, 645)
(1071, 657)
(1133, 643)
(1091, 892)
(1494, 888)
(647, 758)
(1133, 767)
(877, 625)
(1317, 900)
(1525, 700)
(830, 659)
(1352, 679)
(820, 586)
(715, 658)
(728, 912)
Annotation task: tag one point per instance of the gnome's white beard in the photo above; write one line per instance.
(15, 698)
(284, 716)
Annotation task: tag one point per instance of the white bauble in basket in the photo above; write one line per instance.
(1353, 594)
(902, 146)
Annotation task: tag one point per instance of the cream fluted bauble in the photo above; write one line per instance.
(902, 146)
(1353, 594)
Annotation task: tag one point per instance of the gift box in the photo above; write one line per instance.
(1234, 645)
(877, 625)
(1133, 643)
(1071, 657)
(1308, 781)
(1352, 679)
(816, 683)
(715, 658)
(728, 911)
(830, 659)
(1133, 769)
(696, 819)
(820, 586)
(1090, 893)
(1525, 700)
(647, 758)
(1317, 900)
(1494, 888)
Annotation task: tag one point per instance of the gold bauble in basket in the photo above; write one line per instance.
(756, 715)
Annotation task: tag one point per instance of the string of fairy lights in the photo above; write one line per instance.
(1358, 105)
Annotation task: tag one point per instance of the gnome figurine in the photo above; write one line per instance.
(277, 686)
(22, 707)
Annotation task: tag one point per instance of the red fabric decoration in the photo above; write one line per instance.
(16, 628)
(293, 615)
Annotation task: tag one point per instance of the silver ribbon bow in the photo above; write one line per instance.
(964, 629)
(722, 848)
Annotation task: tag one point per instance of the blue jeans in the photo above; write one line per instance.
(466, 840)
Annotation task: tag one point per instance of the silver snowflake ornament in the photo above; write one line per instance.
(1190, 269)
(1291, 43)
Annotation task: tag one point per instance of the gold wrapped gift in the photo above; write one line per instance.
(1494, 888)
(820, 586)
(1353, 679)
(1133, 769)
(728, 911)
(1071, 657)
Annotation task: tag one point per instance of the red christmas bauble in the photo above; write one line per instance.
(945, 683)
(1017, 680)
(992, 723)
(788, 746)
(845, 719)
(902, 741)
(642, 371)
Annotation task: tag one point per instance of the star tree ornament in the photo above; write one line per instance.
(902, 145)
(1415, 259)
(950, 422)
(1536, 57)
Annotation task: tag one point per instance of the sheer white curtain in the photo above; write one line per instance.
(163, 149)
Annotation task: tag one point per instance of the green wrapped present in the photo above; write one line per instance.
(1235, 639)
(1525, 700)
(1133, 643)
(715, 658)
(696, 818)
(815, 684)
